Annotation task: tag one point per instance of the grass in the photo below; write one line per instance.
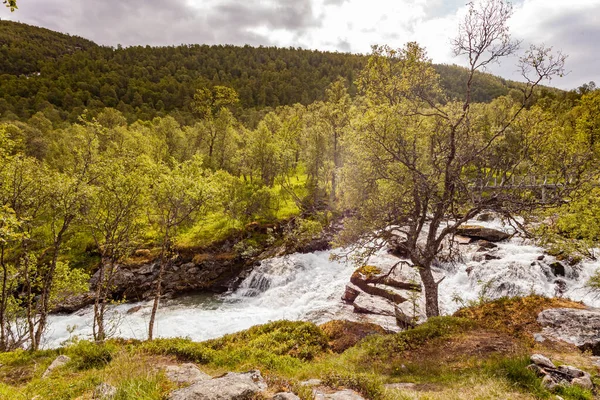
(445, 358)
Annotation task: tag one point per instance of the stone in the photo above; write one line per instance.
(285, 396)
(480, 232)
(488, 257)
(341, 395)
(539, 371)
(558, 269)
(369, 304)
(104, 391)
(584, 382)
(549, 383)
(350, 293)
(462, 239)
(486, 217)
(57, 363)
(485, 245)
(542, 361)
(185, 374)
(571, 371)
(232, 386)
(580, 327)
(538, 337)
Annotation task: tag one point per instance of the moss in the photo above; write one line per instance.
(369, 271)
(345, 334)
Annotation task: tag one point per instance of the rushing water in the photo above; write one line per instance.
(309, 287)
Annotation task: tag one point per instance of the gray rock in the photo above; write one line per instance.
(369, 304)
(480, 232)
(580, 327)
(549, 383)
(58, 362)
(542, 361)
(104, 391)
(571, 372)
(185, 374)
(232, 386)
(285, 396)
(538, 337)
(537, 369)
(341, 395)
(584, 382)
(351, 292)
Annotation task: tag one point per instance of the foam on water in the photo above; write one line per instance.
(309, 287)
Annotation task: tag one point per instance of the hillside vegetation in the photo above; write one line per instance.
(42, 70)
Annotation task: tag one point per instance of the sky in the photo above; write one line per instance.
(571, 26)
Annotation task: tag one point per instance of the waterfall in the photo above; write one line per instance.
(309, 287)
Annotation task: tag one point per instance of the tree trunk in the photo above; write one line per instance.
(432, 308)
(3, 339)
(98, 328)
(163, 259)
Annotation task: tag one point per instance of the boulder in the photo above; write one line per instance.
(57, 363)
(285, 396)
(584, 382)
(558, 269)
(580, 327)
(484, 245)
(462, 239)
(231, 386)
(185, 374)
(104, 391)
(482, 233)
(571, 371)
(350, 293)
(549, 383)
(369, 274)
(542, 361)
(341, 395)
(369, 304)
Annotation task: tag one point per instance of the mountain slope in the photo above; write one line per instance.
(41, 69)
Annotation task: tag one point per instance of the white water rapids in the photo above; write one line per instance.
(309, 287)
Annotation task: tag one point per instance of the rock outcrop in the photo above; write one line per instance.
(481, 233)
(187, 373)
(580, 327)
(104, 391)
(388, 292)
(553, 376)
(57, 363)
(232, 386)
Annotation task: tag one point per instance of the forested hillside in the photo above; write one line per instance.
(65, 75)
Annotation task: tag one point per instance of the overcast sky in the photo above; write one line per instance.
(572, 26)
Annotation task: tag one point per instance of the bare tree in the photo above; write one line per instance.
(421, 164)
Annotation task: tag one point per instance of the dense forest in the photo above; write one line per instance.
(42, 70)
(105, 151)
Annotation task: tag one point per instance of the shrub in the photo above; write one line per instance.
(88, 354)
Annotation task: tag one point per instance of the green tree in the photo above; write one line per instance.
(420, 165)
(177, 195)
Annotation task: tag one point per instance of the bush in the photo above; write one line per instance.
(86, 354)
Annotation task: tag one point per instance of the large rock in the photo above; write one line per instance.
(542, 361)
(57, 363)
(185, 374)
(104, 391)
(369, 275)
(580, 327)
(369, 304)
(232, 386)
(483, 233)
